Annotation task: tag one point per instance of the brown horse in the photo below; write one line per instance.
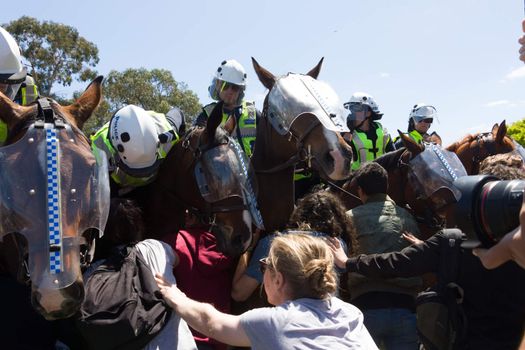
(472, 149)
(419, 182)
(53, 192)
(207, 173)
(302, 120)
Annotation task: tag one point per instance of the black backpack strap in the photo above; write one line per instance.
(450, 249)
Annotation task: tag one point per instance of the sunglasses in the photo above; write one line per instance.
(234, 87)
(427, 120)
(263, 265)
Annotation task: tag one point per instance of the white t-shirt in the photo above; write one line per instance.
(307, 324)
(176, 334)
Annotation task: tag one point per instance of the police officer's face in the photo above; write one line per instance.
(229, 93)
(424, 125)
(3, 88)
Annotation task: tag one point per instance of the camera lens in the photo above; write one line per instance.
(488, 208)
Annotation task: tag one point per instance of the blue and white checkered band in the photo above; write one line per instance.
(252, 199)
(53, 200)
(444, 161)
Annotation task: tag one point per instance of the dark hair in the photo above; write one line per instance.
(321, 211)
(411, 124)
(372, 178)
(505, 166)
(125, 224)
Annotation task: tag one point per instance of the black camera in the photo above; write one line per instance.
(488, 208)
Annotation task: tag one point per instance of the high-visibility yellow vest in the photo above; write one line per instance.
(365, 148)
(247, 125)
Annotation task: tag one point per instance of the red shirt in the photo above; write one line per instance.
(203, 273)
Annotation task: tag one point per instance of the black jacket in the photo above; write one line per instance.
(494, 300)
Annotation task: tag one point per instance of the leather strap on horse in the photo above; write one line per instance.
(296, 158)
(46, 114)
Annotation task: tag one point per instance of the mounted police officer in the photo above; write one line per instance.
(228, 85)
(419, 121)
(136, 141)
(15, 83)
(369, 138)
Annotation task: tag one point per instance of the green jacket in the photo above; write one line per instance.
(101, 141)
(377, 228)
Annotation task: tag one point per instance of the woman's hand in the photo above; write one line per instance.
(173, 295)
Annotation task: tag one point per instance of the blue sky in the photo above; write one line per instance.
(459, 55)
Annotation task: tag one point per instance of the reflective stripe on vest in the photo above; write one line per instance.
(365, 147)
(247, 124)
(101, 141)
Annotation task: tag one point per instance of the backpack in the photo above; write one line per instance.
(123, 307)
(441, 322)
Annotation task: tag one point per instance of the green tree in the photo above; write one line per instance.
(517, 131)
(154, 89)
(56, 52)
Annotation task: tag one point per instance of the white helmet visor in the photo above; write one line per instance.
(51, 194)
(424, 113)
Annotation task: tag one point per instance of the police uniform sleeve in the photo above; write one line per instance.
(412, 261)
(389, 145)
(201, 119)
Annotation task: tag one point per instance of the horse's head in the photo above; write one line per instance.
(208, 171)
(472, 149)
(421, 178)
(307, 119)
(53, 192)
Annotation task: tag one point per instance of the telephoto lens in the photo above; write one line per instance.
(488, 208)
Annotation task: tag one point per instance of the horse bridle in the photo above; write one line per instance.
(47, 115)
(303, 154)
(484, 141)
(428, 218)
(210, 209)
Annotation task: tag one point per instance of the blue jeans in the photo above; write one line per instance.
(392, 329)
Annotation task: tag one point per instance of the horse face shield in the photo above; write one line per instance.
(224, 172)
(51, 194)
(435, 169)
(296, 94)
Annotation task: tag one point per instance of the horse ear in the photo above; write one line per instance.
(10, 112)
(501, 133)
(214, 121)
(230, 124)
(494, 128)
(314, 72)
(86, 104)
(410, 144)
(265, 77)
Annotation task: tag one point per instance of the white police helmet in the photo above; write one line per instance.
(12, 73)
(232, 72)
(362, 98)
(423, 111)
(133, 134)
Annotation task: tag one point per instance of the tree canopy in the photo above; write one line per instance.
(517, 131)
(154, 89)
(56, 52)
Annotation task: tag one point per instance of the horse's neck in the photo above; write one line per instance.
(276, 189)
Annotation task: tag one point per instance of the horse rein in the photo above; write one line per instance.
(302, 155)
(210, 208)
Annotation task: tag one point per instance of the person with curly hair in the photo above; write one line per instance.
(300, 281)
(319, 214)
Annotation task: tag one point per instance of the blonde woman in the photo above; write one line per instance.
(299, 279)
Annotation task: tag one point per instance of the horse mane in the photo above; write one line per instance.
(467, 139)
(391, 159)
